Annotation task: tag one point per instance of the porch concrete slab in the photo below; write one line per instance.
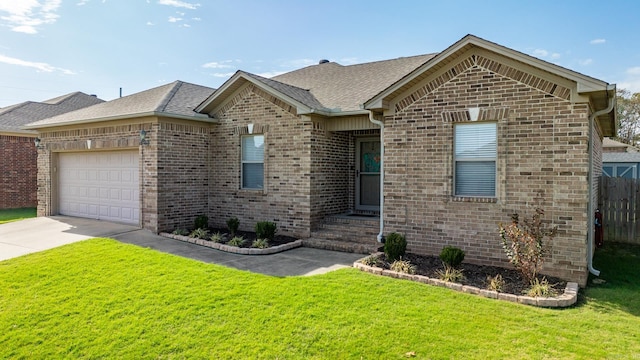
(296, 262)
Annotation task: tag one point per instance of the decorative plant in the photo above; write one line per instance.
(452, 256)
(540, 288)
(200, 233)
(495, 283)
(233, 224)
(201, 222)
(403, 266)
(371, 260)
(217, 237)
(524, 243)
(181, 232)
(451, 274)
(236, 241)
(266, 230)
(260, 243)
(395, 246)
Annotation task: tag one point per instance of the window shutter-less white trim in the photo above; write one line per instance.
(475, 147)
(253, 162)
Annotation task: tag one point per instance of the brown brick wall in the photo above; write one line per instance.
(286, 196)
(330, 172)
(542, 152)
(183, 174)
(17, 172)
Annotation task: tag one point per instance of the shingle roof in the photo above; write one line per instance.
(302, 95)
(633, 157)
(14, 117)
(346, 88)
(175, 99)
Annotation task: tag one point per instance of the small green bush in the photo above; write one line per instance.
(200, 233)
(403, 266)
(266, 230)
(183, 232)
(237, 241)
(395, 246)
(260, 243)
(217, 237)
(452, 256)
(201, 222)
(233, 224)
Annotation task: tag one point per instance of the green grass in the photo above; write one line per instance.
(8, 215)
(104, 299)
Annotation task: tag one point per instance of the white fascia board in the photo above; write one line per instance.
(196, 117)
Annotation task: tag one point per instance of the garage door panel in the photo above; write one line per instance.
(101, 185)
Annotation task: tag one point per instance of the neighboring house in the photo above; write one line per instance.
(18, 155)
(620, 160)
(461, 139)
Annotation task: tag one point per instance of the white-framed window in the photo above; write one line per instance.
(252, 162)
(475, 155)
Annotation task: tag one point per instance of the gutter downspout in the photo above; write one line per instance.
(381, 124)
(590, 207)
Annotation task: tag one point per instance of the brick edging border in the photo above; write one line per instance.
(568, 298)
(235, 249)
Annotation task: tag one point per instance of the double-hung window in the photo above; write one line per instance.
(475, 152)
(253, 162)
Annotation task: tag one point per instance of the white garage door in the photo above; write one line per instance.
(100, 185)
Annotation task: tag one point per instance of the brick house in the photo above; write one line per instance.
(442, 147)
(17, 151)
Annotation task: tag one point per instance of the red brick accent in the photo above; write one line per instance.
(17, 172)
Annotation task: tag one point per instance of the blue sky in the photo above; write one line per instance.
(53, 47)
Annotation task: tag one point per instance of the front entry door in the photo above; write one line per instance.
(368, 174)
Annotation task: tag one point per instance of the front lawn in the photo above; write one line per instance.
(104, 299)
(8, 215)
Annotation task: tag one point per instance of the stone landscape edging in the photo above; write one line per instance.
(235, 249)
(568, 298)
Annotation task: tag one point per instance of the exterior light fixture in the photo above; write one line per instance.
(36, 141)
(143, 137)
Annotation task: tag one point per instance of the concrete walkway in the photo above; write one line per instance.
(37, 234)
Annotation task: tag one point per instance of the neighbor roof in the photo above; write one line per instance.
(177, 99)
(14, 117)
(621, 157)
(328, 87)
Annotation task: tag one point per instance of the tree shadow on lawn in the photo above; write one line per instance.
(618, 285)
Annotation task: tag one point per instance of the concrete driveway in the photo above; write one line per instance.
(42, 233)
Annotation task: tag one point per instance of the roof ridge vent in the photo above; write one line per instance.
(323, 61)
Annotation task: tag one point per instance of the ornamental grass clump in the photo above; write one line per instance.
(526, 243)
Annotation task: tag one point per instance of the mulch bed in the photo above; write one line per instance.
(476, 275)
(250, 236)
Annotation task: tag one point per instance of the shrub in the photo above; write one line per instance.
(524, 243)
(183, 232)
(403, 266)
(236, 241)
(217, 237)
(452, 256)
(371, 260)
(260, 243)
(540, 289)
(395, 246)
(200, 233)
(201, 222)
(233, 224)
(451, 274)
(266, 230)
(495, 283)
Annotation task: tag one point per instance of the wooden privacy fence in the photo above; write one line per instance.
(620, 207)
